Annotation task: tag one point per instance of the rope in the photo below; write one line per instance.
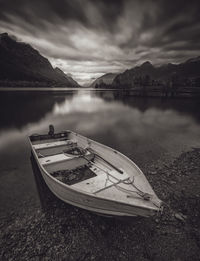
(142, 194)
(41, 155)
(128, 181)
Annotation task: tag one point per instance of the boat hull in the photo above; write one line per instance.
(89, 202)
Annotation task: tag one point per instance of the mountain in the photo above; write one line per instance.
(195, 59)
(184, 73)
(104, 79)
(20, 62)
(67, 76)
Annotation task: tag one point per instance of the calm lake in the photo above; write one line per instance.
(144, 129)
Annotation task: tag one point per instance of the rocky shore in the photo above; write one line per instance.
(58, 231)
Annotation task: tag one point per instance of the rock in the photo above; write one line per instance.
(153, 172)
(172, 182)
(180, 217)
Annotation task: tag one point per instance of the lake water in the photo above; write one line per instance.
(144, 129)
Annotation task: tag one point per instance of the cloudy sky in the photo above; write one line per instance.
(88, 38)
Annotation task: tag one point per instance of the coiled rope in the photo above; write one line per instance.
(128, 181)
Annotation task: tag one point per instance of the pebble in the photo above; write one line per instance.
(180, 216)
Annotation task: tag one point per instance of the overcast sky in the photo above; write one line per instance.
(88, 38)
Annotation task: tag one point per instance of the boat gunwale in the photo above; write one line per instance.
(152, 208)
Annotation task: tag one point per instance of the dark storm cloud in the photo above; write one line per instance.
(37, 11)
(170, 21)
(90, 37)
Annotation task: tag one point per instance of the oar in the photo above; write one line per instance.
(114, 167)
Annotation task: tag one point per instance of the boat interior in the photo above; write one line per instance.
(76, 164)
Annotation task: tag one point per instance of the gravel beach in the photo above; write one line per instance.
(58, 231)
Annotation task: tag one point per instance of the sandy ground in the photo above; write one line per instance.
(62, 232)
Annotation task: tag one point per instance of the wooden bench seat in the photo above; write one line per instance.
(54, 159)
(54, 144)
(64, 161)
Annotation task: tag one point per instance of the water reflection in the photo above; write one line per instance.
(20, 109)
(82, 102)
(144, 129)
(185, 106)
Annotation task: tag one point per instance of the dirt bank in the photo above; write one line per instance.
(61, 232)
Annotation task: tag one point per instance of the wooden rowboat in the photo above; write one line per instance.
(90, 175)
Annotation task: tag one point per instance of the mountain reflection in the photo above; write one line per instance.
(20, 109)
(185, 106)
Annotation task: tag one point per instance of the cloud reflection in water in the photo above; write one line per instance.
(126, 127)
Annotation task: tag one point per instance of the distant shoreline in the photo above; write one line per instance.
(5, 89)
(193, 93)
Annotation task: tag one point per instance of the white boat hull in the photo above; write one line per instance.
(92, 202)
